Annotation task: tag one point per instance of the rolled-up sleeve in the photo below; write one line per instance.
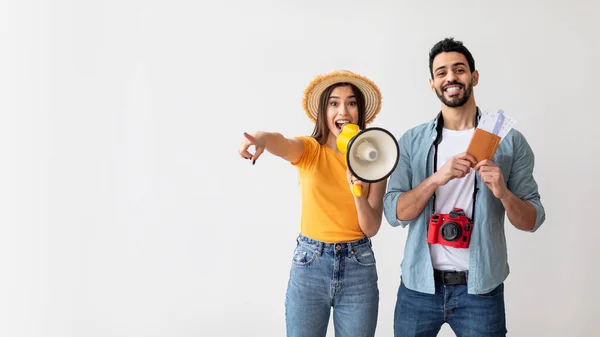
(521, 181)
(399, 182)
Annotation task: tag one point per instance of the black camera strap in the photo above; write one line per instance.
(438, 139)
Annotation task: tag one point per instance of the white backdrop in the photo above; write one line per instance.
(126, 210)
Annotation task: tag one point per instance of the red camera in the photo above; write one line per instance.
(453, 229)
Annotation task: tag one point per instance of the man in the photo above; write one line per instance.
(442, 283)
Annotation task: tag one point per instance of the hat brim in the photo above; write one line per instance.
(312, 93)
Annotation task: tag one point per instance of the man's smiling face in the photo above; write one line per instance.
(452, 79)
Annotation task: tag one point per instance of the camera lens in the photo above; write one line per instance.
(450, 231)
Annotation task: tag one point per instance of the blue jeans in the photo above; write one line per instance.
(420, 314)
(326, 275)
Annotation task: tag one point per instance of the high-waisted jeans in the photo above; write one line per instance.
(341, 276)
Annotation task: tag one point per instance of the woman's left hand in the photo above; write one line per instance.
(352, 180)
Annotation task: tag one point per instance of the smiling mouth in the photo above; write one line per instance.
(452, 90)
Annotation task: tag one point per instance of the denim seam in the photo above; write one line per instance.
(445, 300)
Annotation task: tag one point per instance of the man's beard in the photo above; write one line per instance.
(456, 101)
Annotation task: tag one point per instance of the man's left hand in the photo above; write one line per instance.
(492, 176)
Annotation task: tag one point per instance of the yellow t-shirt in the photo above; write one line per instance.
(328, 210)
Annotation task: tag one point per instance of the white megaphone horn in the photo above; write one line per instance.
(371, 154)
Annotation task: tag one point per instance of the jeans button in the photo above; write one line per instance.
(338, 247)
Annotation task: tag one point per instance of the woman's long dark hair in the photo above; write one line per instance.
(321, 131)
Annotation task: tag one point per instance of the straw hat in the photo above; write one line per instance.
(312, 93)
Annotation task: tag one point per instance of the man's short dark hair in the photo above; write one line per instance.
(450, 45)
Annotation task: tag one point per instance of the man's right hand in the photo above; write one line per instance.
(457, 167)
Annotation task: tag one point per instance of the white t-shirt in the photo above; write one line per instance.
(456, 193)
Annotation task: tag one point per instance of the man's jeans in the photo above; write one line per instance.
(338, 275)
(420, 314)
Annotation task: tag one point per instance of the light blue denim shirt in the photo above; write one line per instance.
(488, 262)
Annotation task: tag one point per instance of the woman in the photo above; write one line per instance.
(333, 264)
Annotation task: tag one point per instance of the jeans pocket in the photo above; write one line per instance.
(496, 292)
(304, 255)
(363, 255)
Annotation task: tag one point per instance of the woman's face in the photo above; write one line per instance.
(342, 108)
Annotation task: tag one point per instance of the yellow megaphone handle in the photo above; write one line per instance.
(357, 190)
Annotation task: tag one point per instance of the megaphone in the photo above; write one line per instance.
(371, 154)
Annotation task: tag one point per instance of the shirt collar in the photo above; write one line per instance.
(434, 122)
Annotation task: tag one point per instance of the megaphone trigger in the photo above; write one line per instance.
(357, 190)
